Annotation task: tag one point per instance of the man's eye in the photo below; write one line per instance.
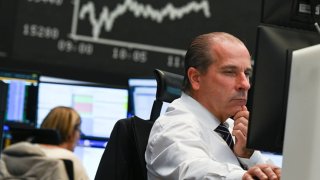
(248, 74)
(230, 72)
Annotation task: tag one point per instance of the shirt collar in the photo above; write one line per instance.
(207, 118)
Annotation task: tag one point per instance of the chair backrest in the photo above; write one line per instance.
(168, 89)
(68, 164)
(33, 135)
(123, 157)
(120, 160)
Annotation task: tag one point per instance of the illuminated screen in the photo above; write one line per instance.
(99, 107)
(19, 93)
(274, 157)
(142, 95)
(90, 153)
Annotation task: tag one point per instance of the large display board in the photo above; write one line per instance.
(301, 14)
(110, 35)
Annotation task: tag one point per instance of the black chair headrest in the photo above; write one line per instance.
(168, 85)
(168, 89)
(41, 136)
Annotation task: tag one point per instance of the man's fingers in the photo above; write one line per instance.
(259, 173)
(270, 173)
(263, 171)
(243, 113)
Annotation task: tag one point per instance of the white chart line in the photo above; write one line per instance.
(107, 18)
(74, 23)
(129, 45)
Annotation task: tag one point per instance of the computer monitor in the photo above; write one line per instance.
(302, 135)
(18, 96)
(142, 93)
(90, 152)
(100, 107)
(268, 95)
(1, 134)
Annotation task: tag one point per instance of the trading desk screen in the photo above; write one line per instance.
(99, 107)
(19, 93)
(109, 35)
(142, 93)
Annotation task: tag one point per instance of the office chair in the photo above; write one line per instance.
(123, 157)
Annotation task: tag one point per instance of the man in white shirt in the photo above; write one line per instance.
(183, 143)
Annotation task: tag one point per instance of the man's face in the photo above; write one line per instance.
(223, 89)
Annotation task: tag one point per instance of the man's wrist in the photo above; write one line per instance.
(247, 153)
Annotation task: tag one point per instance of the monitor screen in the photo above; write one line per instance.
(302, 133)
(277, 159)
(90, 152)
(99, 107)
(19, 92)
(268, 96)
(142, 93)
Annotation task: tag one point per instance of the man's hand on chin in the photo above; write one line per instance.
(240, 129)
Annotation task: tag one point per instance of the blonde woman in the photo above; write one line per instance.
(67, 122)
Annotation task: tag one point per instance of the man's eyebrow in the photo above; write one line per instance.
(229, 67)
(233, 67)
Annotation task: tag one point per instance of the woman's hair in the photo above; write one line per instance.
(63, 119)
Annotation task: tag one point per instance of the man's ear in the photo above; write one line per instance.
(194, 77)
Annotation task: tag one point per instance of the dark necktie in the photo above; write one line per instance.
(225, 134)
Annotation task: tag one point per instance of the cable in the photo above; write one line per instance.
(317, 27)
(313, 6)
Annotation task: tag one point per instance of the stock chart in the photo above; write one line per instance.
(113, 35)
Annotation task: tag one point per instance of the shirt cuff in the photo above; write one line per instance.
(235, 175)
(256, 158)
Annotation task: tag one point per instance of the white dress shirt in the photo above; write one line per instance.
(183, 145)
